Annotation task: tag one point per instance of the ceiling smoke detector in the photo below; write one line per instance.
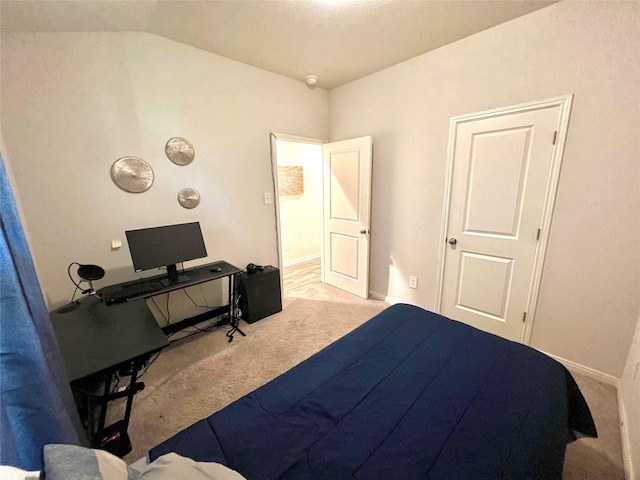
(311, 79)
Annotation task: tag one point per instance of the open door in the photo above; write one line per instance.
(347, 214)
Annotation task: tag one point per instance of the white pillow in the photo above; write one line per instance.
(173, 466)
(13, 473)
(71, 462)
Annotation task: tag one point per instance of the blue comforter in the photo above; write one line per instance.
(409, 394)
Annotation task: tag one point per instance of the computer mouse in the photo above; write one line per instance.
(216, 269)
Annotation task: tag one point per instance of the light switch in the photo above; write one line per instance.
(115, 244)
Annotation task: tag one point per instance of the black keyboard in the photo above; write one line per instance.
(122, 293)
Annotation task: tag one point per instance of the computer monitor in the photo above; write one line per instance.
(165, 247)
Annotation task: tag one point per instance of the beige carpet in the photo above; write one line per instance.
(597, 458)
(200, 375)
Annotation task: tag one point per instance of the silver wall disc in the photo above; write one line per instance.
(189, 198)
(179, 150)
(132, 174)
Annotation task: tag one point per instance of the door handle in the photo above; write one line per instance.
(452, 241)
(364, 231)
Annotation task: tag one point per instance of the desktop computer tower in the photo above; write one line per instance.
(260, 294)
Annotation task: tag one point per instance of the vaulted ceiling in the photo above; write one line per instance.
(337, 40)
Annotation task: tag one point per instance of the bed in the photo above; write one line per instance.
(409, 394)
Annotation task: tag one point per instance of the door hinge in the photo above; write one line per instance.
(524, 317)
(555, 137)
(538, 236)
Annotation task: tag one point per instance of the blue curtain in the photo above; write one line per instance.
(36, 404)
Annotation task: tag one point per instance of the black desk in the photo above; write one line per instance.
(94, 337)
(98, 340)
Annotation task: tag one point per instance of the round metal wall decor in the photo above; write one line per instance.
(132, 174)
(189, 198)
(180, 151)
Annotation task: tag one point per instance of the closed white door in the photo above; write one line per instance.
(500, 182)
(347, 214)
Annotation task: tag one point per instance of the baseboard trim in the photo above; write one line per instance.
(295, 261)
(626, 443)
(384, 298)
(587, 371)
(614, 382)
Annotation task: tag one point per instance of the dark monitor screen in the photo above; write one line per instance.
(165, 247)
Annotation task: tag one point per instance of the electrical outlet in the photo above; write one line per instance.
(413, 282)
(267, 198)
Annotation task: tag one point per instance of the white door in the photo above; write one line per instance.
(347, 213)
(501, 179)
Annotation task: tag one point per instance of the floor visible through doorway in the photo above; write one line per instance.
(300, 276)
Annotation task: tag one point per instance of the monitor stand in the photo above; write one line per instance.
(174, 278)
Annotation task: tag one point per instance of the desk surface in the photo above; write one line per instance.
(94, 337)
(196, 275)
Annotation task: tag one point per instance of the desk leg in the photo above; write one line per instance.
(131, 391)
(115, 438)
(233, 314)
(104, 402)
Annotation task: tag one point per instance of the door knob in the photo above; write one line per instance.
(364, 231)
(452, 241)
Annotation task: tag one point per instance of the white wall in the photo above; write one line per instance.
(301, 215)
(73, 103)
(588, 302)
(630, 396)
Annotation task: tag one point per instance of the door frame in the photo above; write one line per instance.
(273, 136)
(565, 103)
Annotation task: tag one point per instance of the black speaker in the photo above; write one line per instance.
(260, 294)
